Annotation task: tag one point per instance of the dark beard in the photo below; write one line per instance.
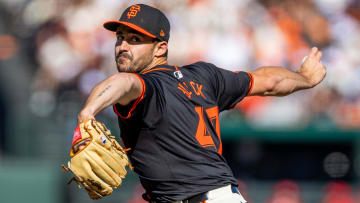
(121, 61)
(135, 66)
(124, 54)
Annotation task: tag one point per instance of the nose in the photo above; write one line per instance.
(121, 45)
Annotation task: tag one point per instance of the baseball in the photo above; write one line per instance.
(303, 60)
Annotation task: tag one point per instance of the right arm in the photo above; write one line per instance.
(279, 81)
(120, 88)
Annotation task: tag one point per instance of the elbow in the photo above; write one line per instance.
(130, 87)
(126, 80)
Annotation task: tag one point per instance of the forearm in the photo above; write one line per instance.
(120, 88)
(278, 81)
(286, 81)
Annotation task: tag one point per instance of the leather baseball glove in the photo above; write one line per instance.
(97, 161)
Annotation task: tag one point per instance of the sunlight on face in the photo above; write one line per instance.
(133, 50)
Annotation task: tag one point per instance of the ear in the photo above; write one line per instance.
(160, 49)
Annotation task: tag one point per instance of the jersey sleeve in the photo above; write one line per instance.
(229, 87)
(150, 98)
(126, 111)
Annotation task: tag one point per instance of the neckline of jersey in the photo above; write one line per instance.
(161, 67)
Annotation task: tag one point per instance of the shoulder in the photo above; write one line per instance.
(201, 64)
(159, 69)
(202, 68)
(157, 73)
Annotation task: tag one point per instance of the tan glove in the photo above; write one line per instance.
(98, 162)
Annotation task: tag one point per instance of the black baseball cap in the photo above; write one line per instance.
(144, 19)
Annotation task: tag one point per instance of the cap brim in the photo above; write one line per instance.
(113, 25)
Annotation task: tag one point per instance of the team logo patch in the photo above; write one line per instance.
(103, 140)
(133, 11)
(178, 74)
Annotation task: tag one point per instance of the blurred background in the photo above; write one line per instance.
(301, 148)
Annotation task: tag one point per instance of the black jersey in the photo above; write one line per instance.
(173, 129)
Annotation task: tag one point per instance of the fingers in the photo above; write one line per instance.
(315, 53)
(318, 56)
(82, 146)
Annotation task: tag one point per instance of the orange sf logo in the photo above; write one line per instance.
(133, 11)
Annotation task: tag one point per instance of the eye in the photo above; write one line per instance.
(135, 39)
(120, 37)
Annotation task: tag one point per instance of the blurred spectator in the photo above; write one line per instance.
(8, 47)
(243, 189)
(73, 52)
(69, 52)
(285, 191)
(338, 192)
(136, 196)
(322, 106)
(2, 125)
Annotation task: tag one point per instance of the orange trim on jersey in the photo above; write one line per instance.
(155, 69)
(251, 83)
(176, 68)
(137, 100)
(124, 146)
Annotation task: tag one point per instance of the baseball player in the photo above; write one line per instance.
(169, 115)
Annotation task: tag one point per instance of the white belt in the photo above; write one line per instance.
(221, 191)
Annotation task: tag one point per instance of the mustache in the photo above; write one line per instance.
(124, 54)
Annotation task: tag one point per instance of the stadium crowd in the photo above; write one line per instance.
(70, 49)
(64, 52)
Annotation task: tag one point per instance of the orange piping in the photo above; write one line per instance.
(137, 100)
(155, 69)
(251, 84)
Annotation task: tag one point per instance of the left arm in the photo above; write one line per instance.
(120, 88)
(278, 81)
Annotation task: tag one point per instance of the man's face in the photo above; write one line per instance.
(133, 50)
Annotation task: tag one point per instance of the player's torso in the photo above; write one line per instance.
(182, 111)
(175, 134)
